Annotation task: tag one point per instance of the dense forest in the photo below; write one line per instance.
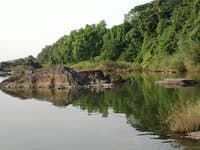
(162, 34)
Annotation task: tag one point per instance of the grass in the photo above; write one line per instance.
(184, 118)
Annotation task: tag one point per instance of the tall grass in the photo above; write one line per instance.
(184, 118)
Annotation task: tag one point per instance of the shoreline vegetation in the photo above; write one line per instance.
(121, 67)
(184, 118)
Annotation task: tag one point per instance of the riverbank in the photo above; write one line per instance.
(120, 67)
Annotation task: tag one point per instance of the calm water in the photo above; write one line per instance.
(128, 117)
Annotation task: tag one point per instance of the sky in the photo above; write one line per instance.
(26, 26)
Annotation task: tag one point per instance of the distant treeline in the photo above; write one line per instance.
(162, 34)
(27, 61)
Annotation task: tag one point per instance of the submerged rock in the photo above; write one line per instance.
(58, 77)
(174, 83)
(194, 135)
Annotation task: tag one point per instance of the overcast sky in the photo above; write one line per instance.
(26, 26)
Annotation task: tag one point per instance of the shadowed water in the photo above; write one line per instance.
(130, 116)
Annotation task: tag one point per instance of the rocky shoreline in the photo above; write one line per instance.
(59, 77)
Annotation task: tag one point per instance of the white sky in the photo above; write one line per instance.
(26, 26)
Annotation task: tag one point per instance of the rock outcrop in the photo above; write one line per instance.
(58, 77)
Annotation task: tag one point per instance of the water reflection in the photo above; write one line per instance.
(57, 97)
(144, 103)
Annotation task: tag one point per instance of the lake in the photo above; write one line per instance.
(129, 117)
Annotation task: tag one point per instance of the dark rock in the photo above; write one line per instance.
(96, 76)
(114, 78)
